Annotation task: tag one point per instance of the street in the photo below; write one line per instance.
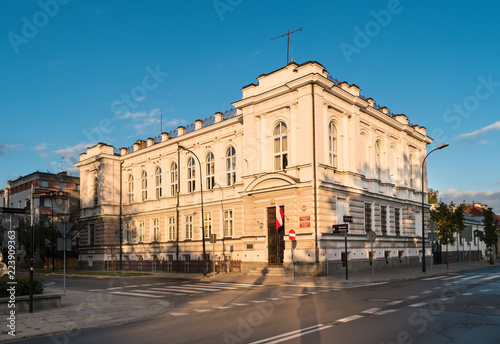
(452, 308)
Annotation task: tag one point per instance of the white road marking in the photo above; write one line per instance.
(485, 290)
(394, 303)
(258, 301)
(96, 290)
(467, 278)
(134, 294)
(202, 310)
(240, 304)
(300, 294)
(114, 288)
(240, 284)
(490, 278)
(181, 290)
(223, 307)
(293, 334)
(351, 318)
(433, 278)
(178, 314)
(195, 287)
(412, 297)
(371, 310)
(427, 292)
(467, 294)
(419, 304)
(386, 311)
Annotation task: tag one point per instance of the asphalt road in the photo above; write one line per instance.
(455, 308)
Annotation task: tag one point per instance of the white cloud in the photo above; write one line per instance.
(473, 135)
(491, 198)
(7, 147)
(40, 147)
(131, 115)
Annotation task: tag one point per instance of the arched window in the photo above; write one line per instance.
(332, 139)
(230, 166)
(144, 185)
(158, 182)
(173, 179)
(410, 170)
(191, 175)
(280, 147)
(210, 170)
(95, 193)
(130, 189)
(378, 166)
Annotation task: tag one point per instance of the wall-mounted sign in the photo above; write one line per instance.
(305, 224)
(305, 218)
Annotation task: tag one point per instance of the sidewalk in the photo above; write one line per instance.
(84, 310)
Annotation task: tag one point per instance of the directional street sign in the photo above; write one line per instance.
(342, 228)
(43, 193)
(347, 219)
(14, 211)
(291, 234)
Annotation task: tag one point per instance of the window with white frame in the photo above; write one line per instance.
(397, 221)
(173, 179)
(127, 233)
(411, 171)
(228, 223)
(378, 165)
(142, 231)
(230, 166)
(95, 193)
(188, 221)
(207, 223)
(130, 189)
(368, 217)
(332, 141)
(210, 171)
(158, 189)
(280, 147)
(172, 229)
(383, 219)
(191, 175)
(155, 230)
(91, 234)
(144, 185)
(418, 223)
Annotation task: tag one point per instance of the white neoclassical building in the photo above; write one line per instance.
(298, 139)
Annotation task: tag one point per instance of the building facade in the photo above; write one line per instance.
(17, 194)
(299, 140)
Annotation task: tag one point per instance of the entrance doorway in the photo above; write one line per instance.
(276, 240)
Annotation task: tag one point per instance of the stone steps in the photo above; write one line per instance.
(268, 271)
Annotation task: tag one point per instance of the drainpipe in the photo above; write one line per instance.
(120, 216)
(316, 248)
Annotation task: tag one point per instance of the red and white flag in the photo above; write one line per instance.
(279, 217)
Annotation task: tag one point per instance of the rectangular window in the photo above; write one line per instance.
(45, 183)
(62, 185)
(418, 224)
(141, 231)
(155, 235)
(397, 221)
(171, 228)
(228, 223)
(126, 233)
(207, 223)
(91, 234)
(368, 217)
(383, 219)
(189, 226)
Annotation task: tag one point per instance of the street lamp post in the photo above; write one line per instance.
(441, 146)
(202, 214)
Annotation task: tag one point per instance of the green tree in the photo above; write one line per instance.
(449, 220)
(490, 234)
(432, 196)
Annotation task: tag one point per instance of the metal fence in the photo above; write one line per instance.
(194, 266)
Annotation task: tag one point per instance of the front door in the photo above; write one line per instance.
(276, 240)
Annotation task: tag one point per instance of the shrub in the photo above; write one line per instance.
(22, 286)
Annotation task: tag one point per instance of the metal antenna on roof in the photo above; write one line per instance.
(62, 163)
(288, 44)
(161, 120)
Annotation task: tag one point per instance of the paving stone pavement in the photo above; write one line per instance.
(79, 311)
(83, 310)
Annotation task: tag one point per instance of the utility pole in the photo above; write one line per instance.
(288, 43)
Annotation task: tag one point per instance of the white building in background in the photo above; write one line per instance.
(298, 139)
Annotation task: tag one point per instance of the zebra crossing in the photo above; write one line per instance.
(466, 278)
(159, 290)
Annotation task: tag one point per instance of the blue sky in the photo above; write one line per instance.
(78, 72)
